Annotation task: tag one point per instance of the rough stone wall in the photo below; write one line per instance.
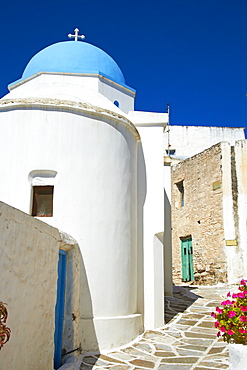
(201, 217)
(28, 284)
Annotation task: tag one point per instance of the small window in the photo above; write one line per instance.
(170, 151)
(116, 103)
(42, 201)
(180, 186)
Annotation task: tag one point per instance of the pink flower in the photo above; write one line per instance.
(242, 331)
(213, 314)
(243, 282)
(241, 295)
(230, 332)
(218, 334)
(243, 318)
(243, 308)
(234, 295)
(231, 314)
(228, 294)
(223, 329)
(225, 303)
(219, 310)
(216, 324)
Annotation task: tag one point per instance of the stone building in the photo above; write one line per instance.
(209, 197)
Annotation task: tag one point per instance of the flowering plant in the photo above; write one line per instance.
(231, 317)
(4, 330)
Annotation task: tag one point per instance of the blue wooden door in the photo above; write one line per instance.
(59, 310)
(187, 260)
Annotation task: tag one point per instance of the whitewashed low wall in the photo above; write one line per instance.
(28, 284)
(237, 356)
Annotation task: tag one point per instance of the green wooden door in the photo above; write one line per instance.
(187, 259)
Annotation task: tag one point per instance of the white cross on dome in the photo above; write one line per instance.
(76, 35)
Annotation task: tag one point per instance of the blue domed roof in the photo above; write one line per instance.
(74, 57)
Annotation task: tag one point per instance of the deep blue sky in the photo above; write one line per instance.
(190, 53)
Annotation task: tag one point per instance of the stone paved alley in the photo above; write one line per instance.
(187, 341)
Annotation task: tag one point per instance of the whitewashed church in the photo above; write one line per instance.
(75, 155)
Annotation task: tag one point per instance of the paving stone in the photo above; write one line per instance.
(194, 347)
(193, 317)
(213, 365)
(200, 310)
(220, 344)
(174, 367)
(180, 360)
(187, 352)
(205, 332)
(110, 359)
(121, 356)
(163, 347)
(165, 354)
(203, 368)
(169, 329)
(159, 338)
(201, 342)
(218, 357)
(143, 363)
(207, 324)
(181, 327)
(121, 367)
(139, 354)
(151, 333)
(187, 322)
(216, 350)
(144, 347)
(174, 334)
(212, 304)
(190, 334)
(138, 368)
(101, 363)
(179, 345)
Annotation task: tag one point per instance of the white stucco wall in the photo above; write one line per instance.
(123, 95)
(94, 89)
(190, 140)
(151, 126)
(234, 172)
(168, 284)
(66, 132)
(93, 154)
(153, 219)
(228, 215)
(28, 285)
(241, 174)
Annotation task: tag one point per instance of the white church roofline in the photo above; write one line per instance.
(70, 106)
(100, 75)
(148, 119)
